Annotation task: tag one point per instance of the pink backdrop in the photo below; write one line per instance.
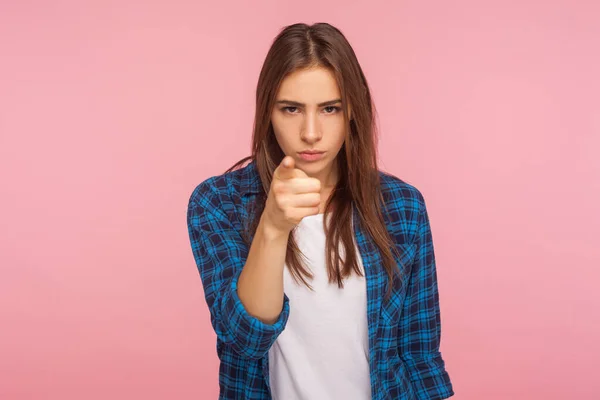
(112, 111)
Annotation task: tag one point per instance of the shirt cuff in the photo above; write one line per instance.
(253, 337)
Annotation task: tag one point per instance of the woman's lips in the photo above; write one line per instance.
(311, 156)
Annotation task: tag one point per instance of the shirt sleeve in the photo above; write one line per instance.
(420, 323)
(220, 254)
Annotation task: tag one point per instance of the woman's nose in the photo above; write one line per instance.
(311, 129)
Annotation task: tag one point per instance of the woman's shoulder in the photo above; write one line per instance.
(404, 203)
(399, 193)
(227, 185)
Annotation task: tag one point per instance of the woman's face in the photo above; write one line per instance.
(308, 116)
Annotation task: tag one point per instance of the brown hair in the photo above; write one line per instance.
(301, 46)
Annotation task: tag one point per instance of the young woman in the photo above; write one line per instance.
(318, 269)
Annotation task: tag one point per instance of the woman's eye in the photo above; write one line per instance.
(328, 110)
(289, 109)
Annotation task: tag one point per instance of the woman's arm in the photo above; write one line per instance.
(260, 285)
(221, 255)
(420, 323)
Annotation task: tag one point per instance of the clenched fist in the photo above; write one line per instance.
(292, 196)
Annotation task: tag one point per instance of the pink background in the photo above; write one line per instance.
(111, 112)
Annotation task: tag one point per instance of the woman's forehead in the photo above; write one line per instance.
(310, 86)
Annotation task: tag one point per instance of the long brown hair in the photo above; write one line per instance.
(300, 46)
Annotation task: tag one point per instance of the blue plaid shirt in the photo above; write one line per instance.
(404, 330)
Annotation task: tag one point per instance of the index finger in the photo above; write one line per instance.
(285, 170)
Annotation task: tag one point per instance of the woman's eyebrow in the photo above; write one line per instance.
(297, 104)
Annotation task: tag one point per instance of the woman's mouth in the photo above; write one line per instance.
(312, 156)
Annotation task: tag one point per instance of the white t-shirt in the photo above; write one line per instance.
(323, 353)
